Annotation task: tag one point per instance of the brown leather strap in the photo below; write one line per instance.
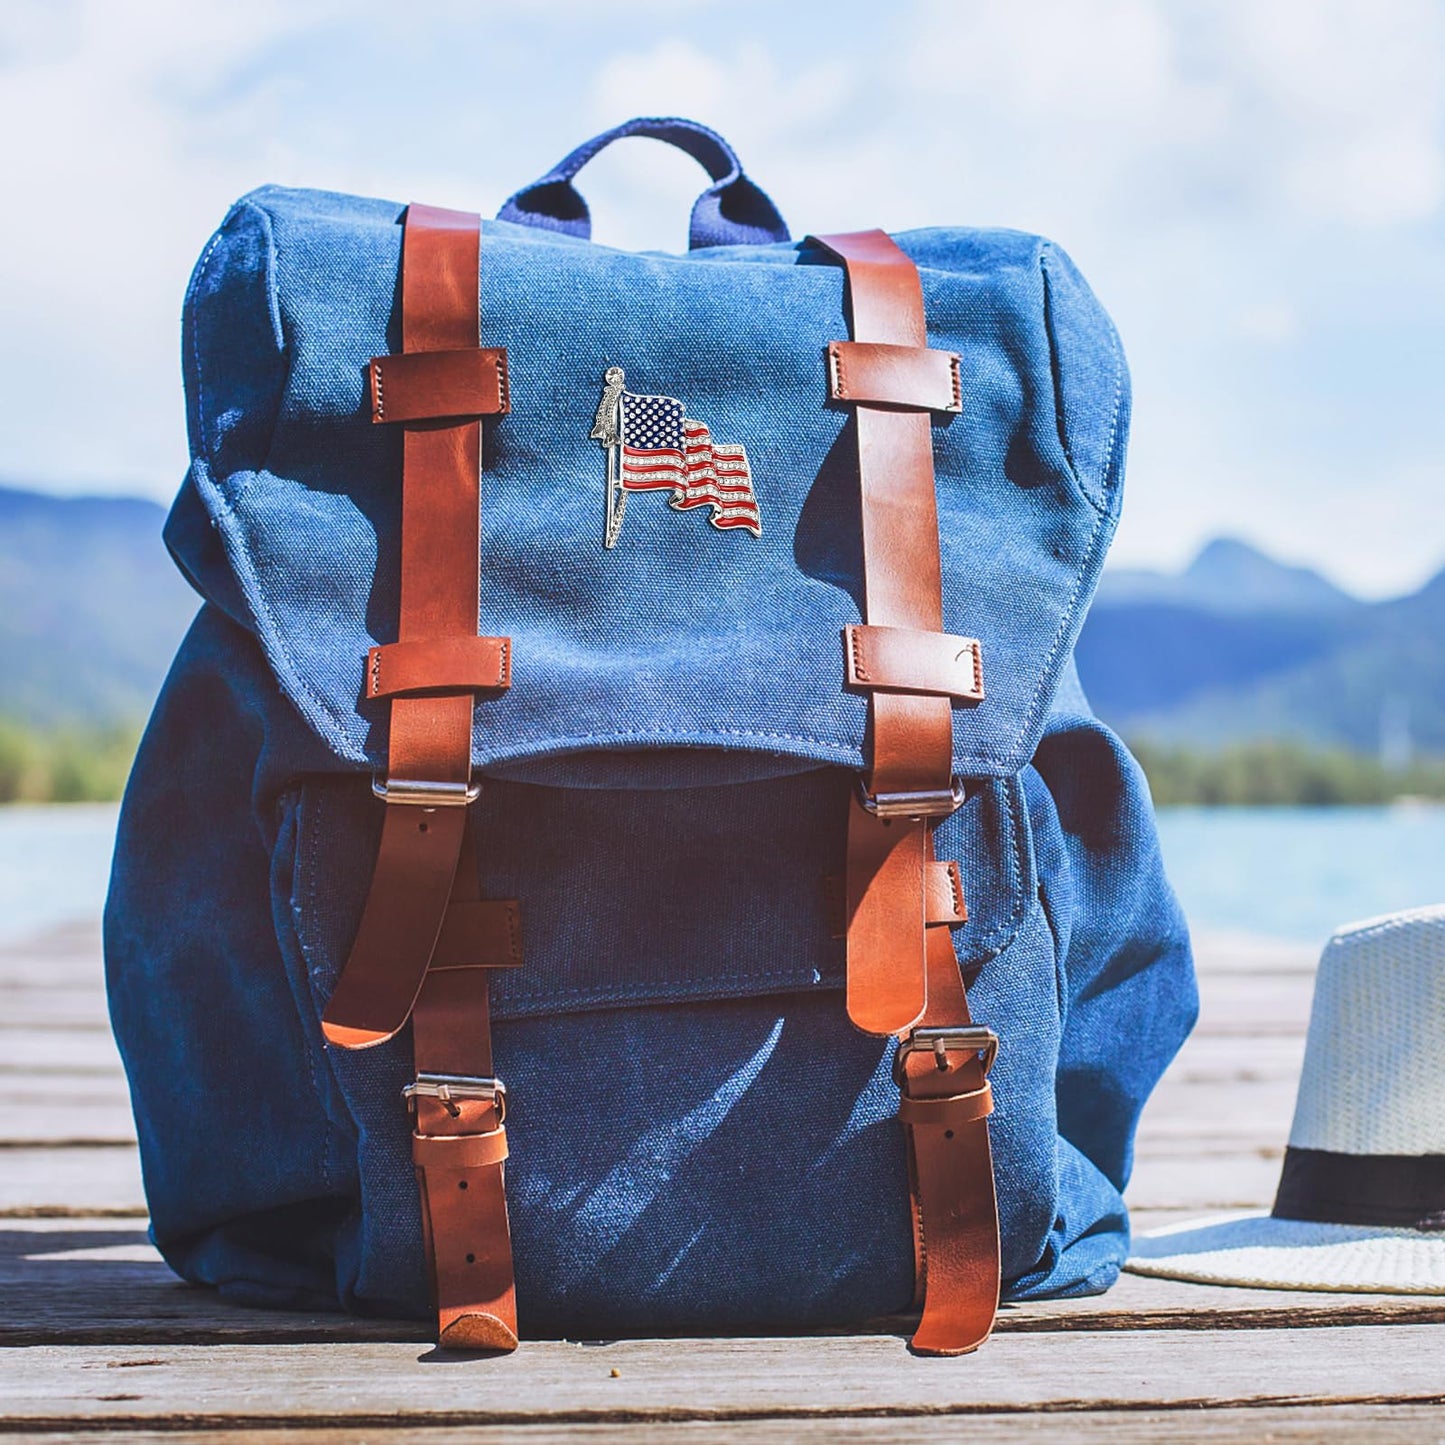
(902, 659)
(439, 664)
(460, 1143)
(955, 1208)
(427, 939)
(480, 933)
(903, 972)
(429, 385)
(911, 376)
(429, 756)
(944, 902)
(410, 884)
(911, 734)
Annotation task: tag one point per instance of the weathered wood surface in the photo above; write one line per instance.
(97, 1334)
(1290, 1425)
(99, 1281)
(817, 1376)
(62, 1181)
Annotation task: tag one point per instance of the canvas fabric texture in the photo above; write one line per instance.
(699, 1140)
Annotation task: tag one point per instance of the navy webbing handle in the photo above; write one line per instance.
(731, 212)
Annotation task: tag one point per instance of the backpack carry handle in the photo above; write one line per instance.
(731, 212)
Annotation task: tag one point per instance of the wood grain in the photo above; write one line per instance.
(399, 1384)
(66, 1180)
(59, 1054)
(1289, 1425)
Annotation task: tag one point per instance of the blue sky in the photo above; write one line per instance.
(1255, 188)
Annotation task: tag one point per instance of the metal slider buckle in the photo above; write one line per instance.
(448, 1087)
(941, 1042)
(936, 803)
(424, 793)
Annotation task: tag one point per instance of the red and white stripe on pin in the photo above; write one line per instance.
(658, 448)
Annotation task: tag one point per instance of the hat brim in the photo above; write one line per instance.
(1267, 1253)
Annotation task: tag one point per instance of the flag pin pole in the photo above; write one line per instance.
(606, 429)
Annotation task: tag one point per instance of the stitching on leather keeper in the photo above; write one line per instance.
(514, 932)
(860, 669)
(955, 883)
(376, 688)
(955, 891)
(975, 651)
(504, 384)
(859, 675)
(839, 378)
(379, 409)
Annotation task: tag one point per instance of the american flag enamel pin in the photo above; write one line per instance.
(652, 446)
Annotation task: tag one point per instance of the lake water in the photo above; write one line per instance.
(1292, 873)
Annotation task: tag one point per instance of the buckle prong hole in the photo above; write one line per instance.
(461, 1184)
(471, 1259)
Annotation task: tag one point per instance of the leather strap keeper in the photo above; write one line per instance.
(943, 901)
(459, 1151)
(439, 664)
(903, 659)
(432, 385)
(883, 374)
(949, 1111)
(480, 933)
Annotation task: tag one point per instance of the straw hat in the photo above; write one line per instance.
(1361, 1202)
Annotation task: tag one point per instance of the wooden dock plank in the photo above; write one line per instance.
(361, 1385)
(1204, 1184)
(54, 1107)
(59, 1054)
(101, 1282)
(1287, 1425)
(83, 1180)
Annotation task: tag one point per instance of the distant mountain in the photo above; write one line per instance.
(1237, 646)
(91, 607)
(1231, 578)
(1183, 660)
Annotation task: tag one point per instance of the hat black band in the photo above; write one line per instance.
(1404, 1191)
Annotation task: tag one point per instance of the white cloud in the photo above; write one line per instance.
(113, 189)
(1272, 322)
(1349, 101)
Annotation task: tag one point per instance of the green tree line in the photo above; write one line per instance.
(80, 764)
(1282, 774)
(73, 764)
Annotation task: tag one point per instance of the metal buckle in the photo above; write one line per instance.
(937, 803)
(423, 793)
(448, 1087)
(941, 1042)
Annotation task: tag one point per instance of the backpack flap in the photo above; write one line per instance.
(681, 635)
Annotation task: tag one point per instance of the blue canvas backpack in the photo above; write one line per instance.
(631, 732)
